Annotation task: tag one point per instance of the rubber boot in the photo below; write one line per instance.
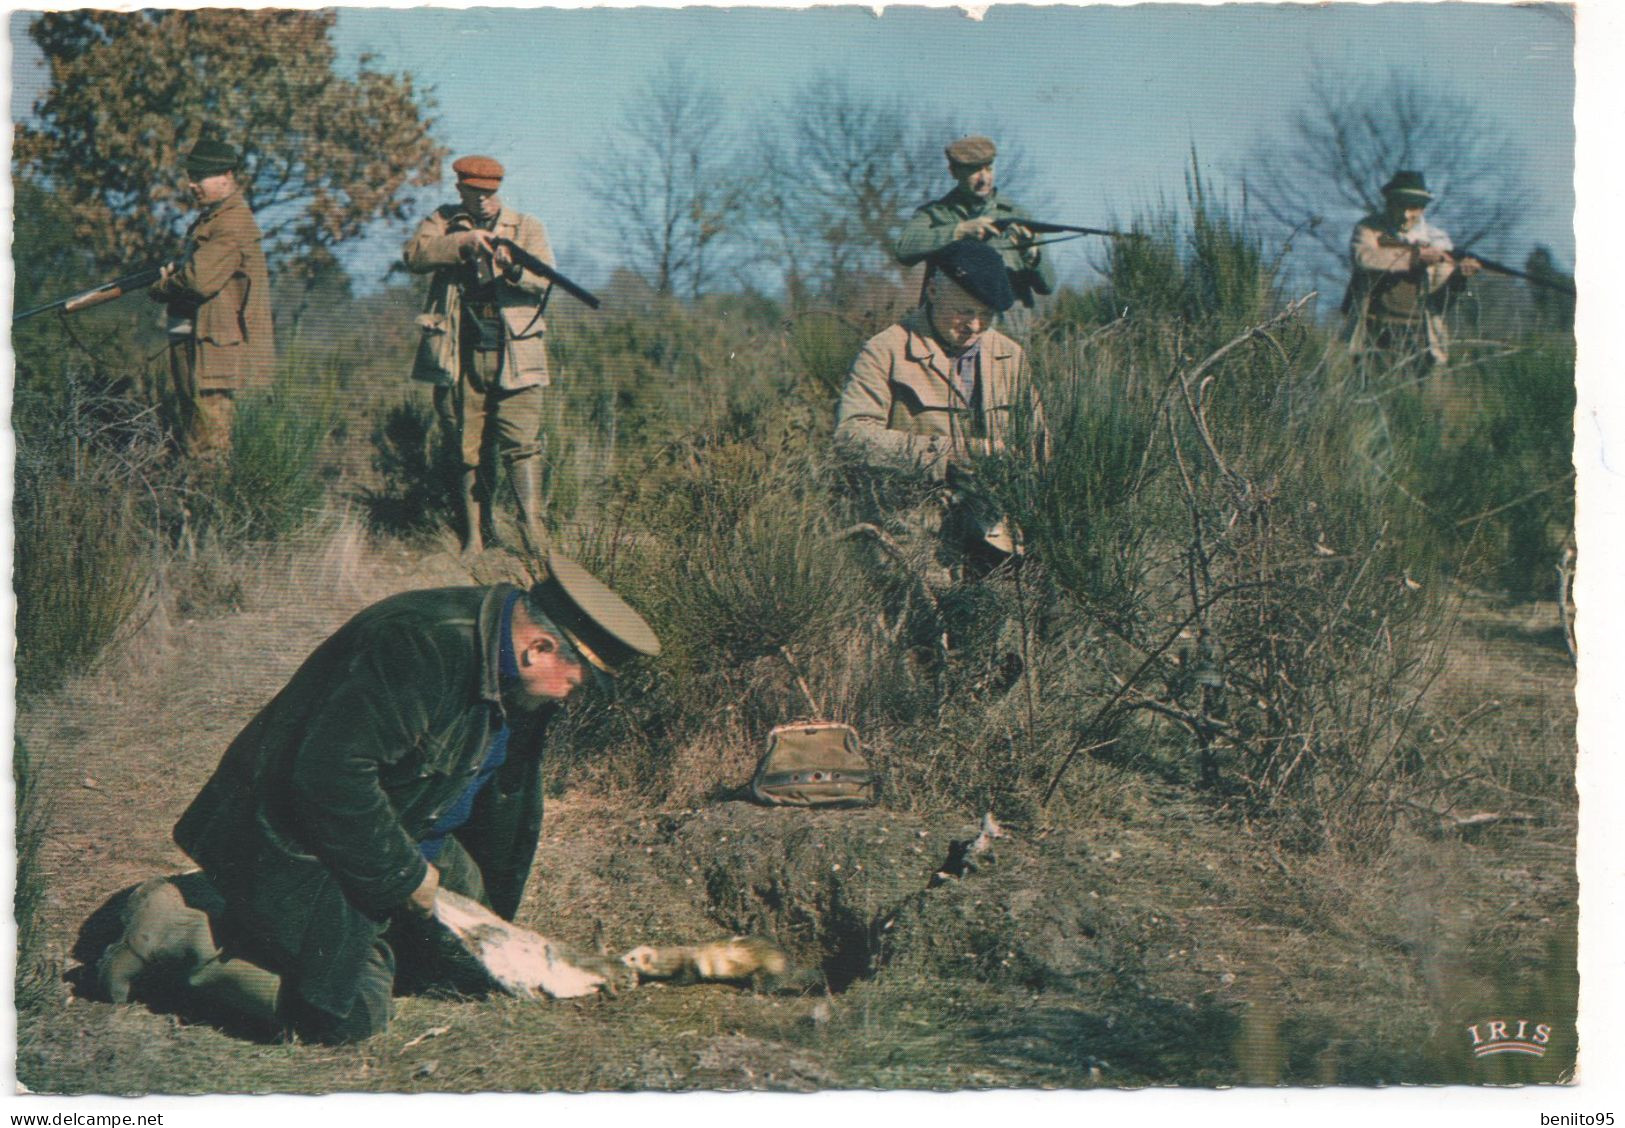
(474, 517)
(526, 474)
(241, 987)
(160, 928)
(485, 491)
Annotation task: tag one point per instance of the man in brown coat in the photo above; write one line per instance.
(217, 298)
(930, 394)
(482, 343)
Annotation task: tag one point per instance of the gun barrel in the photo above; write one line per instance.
(96, 295)
(1557, 284)
(536, 266)
(1043, 227)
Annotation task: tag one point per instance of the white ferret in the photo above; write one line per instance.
(733, 959)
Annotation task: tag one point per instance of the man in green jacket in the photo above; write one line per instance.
(404, 755)
(217, 298)
(973, 210)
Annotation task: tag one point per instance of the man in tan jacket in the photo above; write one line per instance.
(1403, 271)
(217, 298)
(930, 394)
(482, 344)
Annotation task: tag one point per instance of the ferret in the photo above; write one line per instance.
(734, 959)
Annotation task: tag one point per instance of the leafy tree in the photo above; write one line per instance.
(131, 92)
(1327, 170)
(673, 189)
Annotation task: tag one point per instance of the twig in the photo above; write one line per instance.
(1549, 486)
(1124, 687)
(1565, 593)
(801, 682)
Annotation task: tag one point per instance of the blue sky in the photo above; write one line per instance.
(1107, 102)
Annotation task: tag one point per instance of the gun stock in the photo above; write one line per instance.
(536, 266)
(96, 295)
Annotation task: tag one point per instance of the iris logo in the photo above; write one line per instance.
(1498, 1036)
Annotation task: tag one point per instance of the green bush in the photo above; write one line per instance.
(1503, 477)
(417, 473)
(83, 569)
(273, 483)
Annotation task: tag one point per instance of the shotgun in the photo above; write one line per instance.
(96, 295)
(1558, 284)
(1040, 227)
(536, 266)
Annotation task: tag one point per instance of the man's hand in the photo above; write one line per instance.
(166, 273)
(1431, 256)
(421, 901)
(977, 227)
(502, 259)
(474, 242)
(1020, 235)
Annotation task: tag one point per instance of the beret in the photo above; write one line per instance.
(978, 270)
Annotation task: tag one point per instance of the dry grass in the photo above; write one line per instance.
(1209, 957)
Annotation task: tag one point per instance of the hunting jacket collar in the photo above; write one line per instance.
(992, 369)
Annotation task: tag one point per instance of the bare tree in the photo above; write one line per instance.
(674, 195)
(1327, 170)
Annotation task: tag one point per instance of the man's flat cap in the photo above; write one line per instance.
(973, 150)
(1409, 184)
(978, 270)
(210, 158)
(598, 623)
(478, 172)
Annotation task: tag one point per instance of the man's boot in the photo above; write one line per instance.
(160, 928)
(474, 517)
(486, 491)
(163, 932)
(527, 490)
(240, 987)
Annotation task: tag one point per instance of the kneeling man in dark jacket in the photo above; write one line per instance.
(405, 754)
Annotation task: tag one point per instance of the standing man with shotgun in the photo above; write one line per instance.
(217, 299)
(482, 345)
(973, 210)
(1404, 272)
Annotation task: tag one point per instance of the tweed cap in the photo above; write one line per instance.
(978, 270)
(1409, 184)
(478, 172)
(972, 150)
(597, 622)
(210, 158)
